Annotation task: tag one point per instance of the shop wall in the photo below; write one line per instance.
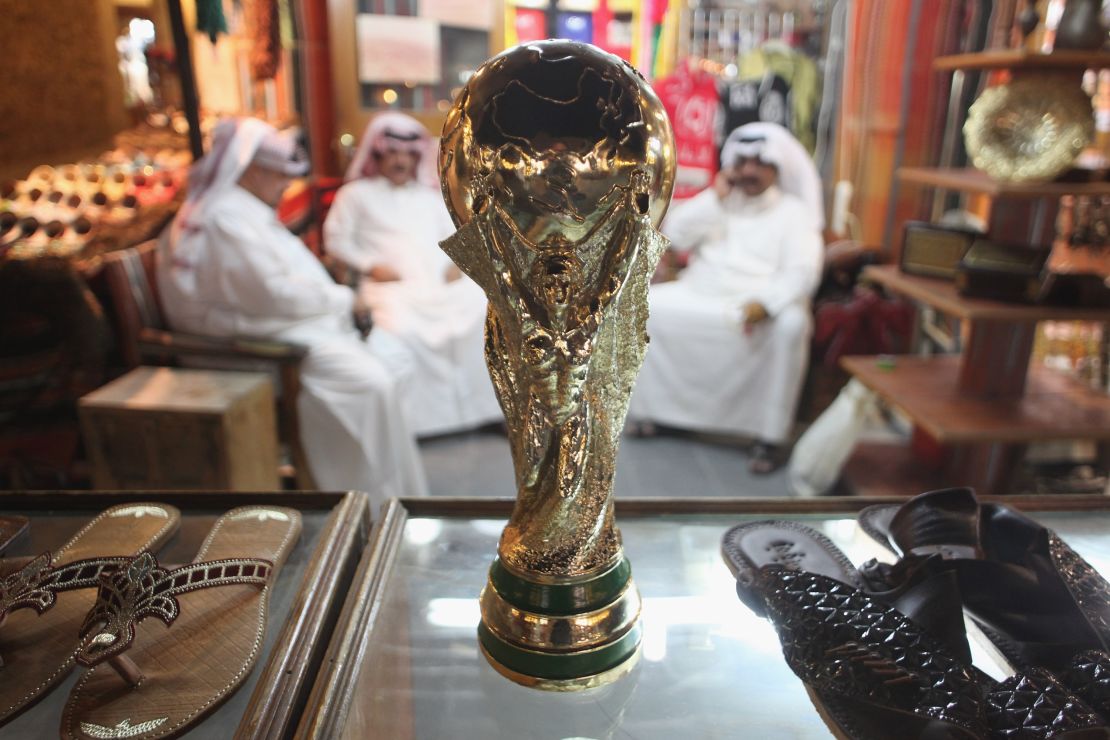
(63, 95)
(875, 75)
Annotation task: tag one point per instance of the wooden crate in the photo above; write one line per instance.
(170, 428)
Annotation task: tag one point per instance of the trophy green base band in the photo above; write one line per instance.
(570, 597)
(561, 635)
(562, 671)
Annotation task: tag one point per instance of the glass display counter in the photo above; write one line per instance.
(405, 662)
(304, 605)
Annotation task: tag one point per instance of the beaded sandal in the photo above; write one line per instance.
(44, 599)
(872, 671)
(149, 682)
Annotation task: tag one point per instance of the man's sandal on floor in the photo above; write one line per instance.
(147, 681)
(764, 459)
(43, 600)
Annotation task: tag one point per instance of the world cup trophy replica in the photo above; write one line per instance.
(557, 164)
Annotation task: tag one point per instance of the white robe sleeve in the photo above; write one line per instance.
(799, 268)
(265, 286)
(689, 223)
(341, 231)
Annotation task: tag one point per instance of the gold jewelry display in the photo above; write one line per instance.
(557, 163)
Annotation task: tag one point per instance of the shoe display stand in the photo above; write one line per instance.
(305, 600)
(405, 661)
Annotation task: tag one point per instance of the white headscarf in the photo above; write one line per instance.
(774, 145)
(236, 144)
(393, 131)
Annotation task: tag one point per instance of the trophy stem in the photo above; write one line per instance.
(561, 634)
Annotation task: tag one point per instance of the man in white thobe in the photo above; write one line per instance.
(386, 223)
(730, 337)
(229, 267)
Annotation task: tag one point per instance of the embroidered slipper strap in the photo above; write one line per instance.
(36, 584)
(142, 589)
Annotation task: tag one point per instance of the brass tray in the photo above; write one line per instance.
(1030, 129)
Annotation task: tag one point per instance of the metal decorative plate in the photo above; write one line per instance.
(1030, 129)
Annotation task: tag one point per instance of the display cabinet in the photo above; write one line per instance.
(304, 605)
(405, 663)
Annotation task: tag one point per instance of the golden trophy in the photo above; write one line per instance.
(557, 164)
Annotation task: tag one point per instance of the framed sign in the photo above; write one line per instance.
(458, 13)
(394, 48)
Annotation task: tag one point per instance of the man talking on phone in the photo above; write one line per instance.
(730, 337)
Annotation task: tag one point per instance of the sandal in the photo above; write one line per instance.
(38, 627)
(146, 681)
(764, 459)
(871, 670)
(1029, 592)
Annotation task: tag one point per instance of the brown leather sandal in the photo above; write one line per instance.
(38, 628)
(149, 682)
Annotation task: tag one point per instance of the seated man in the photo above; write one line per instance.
(386, 223)
(228, 267)
(730, 337)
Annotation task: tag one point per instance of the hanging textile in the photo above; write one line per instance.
(210, 18)
(775, 84)
(690, 99)
(264, 31)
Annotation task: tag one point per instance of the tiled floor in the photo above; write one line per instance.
(668, 464)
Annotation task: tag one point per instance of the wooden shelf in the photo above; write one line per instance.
(942, 295)
(925, 389)
(886, 469)
(970, 180)
(1021, 59)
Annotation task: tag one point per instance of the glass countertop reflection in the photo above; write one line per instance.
(709, 667)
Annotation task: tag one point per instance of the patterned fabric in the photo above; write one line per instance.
(264, 29)
(210, 18)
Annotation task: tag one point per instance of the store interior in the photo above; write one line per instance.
(955, 329)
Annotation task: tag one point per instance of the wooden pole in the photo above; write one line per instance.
(184, 60)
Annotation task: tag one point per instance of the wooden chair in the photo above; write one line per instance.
(144, 337)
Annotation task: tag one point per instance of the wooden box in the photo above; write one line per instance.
(169, 428)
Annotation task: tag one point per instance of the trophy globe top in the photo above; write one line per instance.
(554, 133)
